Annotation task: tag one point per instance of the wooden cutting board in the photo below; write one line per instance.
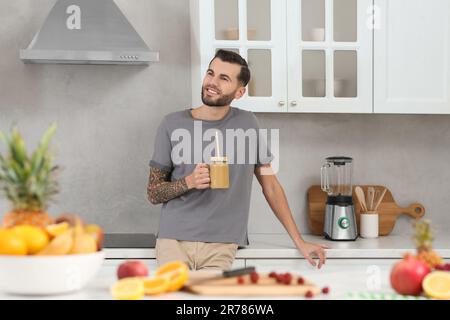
(388, 210)
(266, 286)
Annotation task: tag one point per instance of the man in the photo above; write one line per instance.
(200, 225)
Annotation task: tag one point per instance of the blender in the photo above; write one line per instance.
(336, 181)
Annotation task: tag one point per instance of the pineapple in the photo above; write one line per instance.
(27, 182)
(423, 238)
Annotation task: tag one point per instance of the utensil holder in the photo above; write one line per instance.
(369, 224)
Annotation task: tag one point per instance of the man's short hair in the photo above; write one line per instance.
(233, 57)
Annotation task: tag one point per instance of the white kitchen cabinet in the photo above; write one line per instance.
(305, 55)
(303, 266)
(258, 37)
(329, 48)
(111, 265)
(412, 56)
(332, 56)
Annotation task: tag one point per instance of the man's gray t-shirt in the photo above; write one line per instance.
(209, 215)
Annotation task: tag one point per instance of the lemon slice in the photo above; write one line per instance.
(176, 271)
(128, 289)
(156, 285)
(437, 285)
(177, 280)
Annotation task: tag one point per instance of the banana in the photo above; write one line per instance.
(60, 245)
(82, 242)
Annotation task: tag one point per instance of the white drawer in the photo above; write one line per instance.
(111, 265)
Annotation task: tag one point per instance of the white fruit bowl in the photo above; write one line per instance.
(48, 275)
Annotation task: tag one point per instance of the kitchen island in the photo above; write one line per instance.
(346, 278)
(354, 270)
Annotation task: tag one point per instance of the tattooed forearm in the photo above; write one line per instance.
(161, 189)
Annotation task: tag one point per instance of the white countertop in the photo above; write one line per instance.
(280, 246)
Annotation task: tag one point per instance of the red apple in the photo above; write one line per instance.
(132, 269)
(407, 276)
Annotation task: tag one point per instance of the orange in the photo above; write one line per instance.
(56, 229)
(437, 285)
(35, 238)
(11, 244)
(156, 285)
(176, 271)
(128, 289)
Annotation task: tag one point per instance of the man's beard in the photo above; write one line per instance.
(223, 100)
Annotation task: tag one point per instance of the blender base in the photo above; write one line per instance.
(340, 223)
(326, 236)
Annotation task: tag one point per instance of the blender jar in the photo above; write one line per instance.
(336, 176)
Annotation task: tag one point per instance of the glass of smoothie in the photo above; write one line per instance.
(218, 169)
(218, 172)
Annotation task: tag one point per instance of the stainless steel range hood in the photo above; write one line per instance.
(87, 32)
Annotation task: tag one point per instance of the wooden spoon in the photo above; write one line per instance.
(371, 195)
(360, 195)
(380, 199)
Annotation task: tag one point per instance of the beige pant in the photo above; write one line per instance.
(198, 255)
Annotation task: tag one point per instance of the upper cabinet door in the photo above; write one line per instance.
(329, 48)
(412, 56)
(256, 29)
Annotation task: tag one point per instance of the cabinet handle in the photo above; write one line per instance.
(293, 103)
(281, 103)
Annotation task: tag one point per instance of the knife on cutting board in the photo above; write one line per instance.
(220, 275)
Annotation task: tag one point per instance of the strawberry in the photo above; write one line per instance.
(254, 277)
(279, 278)
(287, 278)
